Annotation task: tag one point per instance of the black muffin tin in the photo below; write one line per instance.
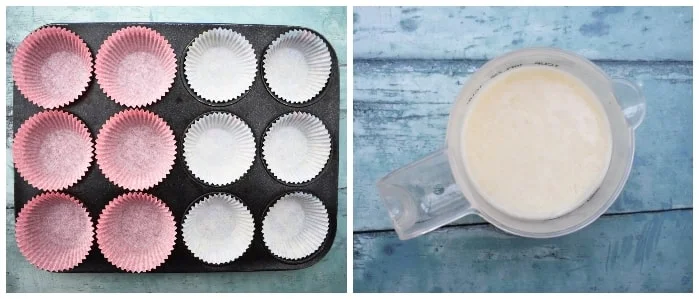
(258, 108)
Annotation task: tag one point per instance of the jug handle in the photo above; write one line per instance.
(630, 97)
(423, 196)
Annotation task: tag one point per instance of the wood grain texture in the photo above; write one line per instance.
(401, 109)
(329, 275)
(617, 33)
(650, 252)
(412, 64)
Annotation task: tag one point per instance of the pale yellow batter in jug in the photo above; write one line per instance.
(537, 142)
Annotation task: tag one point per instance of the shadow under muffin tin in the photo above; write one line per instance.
(268, 125)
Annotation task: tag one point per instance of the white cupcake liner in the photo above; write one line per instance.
(296, 147)
(295, 226)
(219, 148)
(218, 229)
(220, 65)
(297, 66)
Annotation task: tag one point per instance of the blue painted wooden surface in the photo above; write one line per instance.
(616, 33)
(625, 253)
(410, 64)
(329, 275)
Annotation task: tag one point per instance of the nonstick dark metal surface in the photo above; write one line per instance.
(258, 108)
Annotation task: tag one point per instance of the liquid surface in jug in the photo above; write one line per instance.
(537, 142)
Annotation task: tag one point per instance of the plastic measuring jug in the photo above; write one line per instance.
(437, 190)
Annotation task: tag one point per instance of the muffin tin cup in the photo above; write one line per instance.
(186, 84)
(240, 152)
(122, 54)
(128, 224)
(179, 189)
(220, 65)
(321, 94)
(285, 137)
(241, 236)
(135, 149)
(310, 235)
(53, 150)
(54, 223)
(47, 55)
(301, 52)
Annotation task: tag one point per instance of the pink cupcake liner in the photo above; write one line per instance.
(135, 149)
(52, 150)
(52, 67)
(135, 66)
(136, 232)
(54, 232)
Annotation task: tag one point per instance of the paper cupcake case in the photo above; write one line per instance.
(257, 189)
(312, 67)
(135, 66)
(218, 228)
(296, 147)
(218, 148)
(291, 238)
(135, 149)
(136, 232)
(52, 150)
(54, 231)
(52, 67)
(230, 56)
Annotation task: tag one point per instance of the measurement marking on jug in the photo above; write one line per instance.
(513, 67)
(474, 93)
(546, 63)
(438, 189)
